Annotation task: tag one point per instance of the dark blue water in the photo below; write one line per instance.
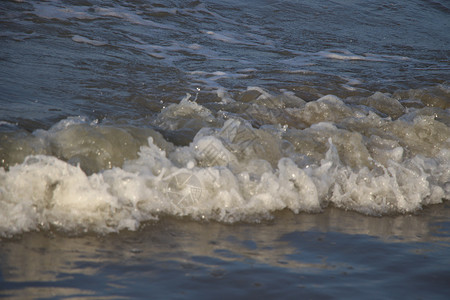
(119, 59)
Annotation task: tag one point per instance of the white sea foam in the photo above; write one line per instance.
(302, 59)
(82, 39)
(348, 55)
(228, 37)
(46, 191)
(209, 80)
(6, 123)
(84, 176)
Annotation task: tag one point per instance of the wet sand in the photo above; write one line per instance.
(334, 254)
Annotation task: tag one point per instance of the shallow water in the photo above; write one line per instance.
(120, 121)
(335, 254)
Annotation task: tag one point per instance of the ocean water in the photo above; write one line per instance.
(198, 149)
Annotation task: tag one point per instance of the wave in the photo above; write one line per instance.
(259, 153)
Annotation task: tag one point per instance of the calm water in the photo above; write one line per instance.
(198, 149)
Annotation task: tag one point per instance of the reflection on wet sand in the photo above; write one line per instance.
(181, 250)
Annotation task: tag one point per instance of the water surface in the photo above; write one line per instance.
(224, 148)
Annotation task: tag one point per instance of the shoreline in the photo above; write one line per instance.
(183, 258)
